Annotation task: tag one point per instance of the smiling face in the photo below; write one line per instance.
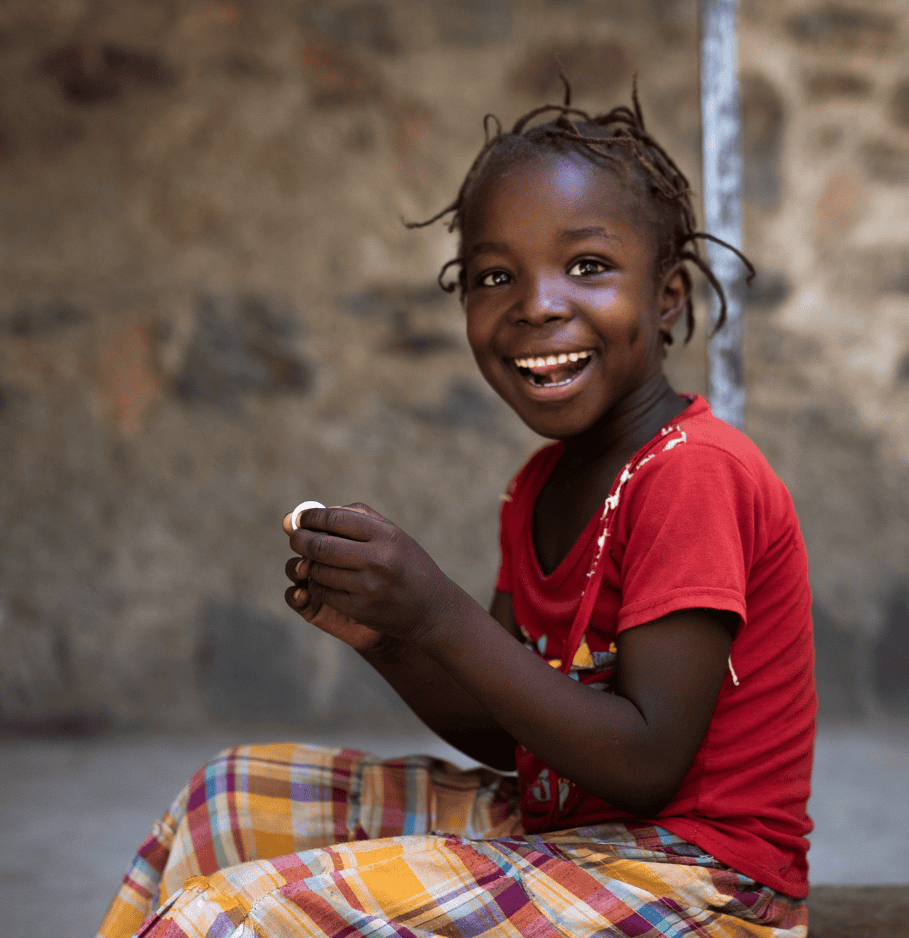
(564, 307)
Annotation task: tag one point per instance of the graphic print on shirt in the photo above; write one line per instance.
(593, 668)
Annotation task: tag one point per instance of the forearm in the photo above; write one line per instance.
(442, 703)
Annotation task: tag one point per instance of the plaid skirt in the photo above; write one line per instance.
(285, 841)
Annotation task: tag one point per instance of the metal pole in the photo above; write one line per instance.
(721, 143)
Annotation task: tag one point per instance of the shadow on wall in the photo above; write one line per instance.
(237, 350)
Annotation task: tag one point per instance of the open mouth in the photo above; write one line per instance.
(553, 371)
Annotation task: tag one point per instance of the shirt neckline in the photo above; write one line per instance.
(579, 549)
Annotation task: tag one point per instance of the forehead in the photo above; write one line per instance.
(548, 189)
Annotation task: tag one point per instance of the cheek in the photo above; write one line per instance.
(479, 332)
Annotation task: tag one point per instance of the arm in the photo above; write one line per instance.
(443, 703)
(631, 748)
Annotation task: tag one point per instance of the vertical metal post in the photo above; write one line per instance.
(722, 156)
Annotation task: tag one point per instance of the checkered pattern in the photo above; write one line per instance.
(287, 841)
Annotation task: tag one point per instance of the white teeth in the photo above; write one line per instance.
(543, 360)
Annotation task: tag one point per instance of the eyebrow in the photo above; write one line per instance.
(484, 247)
(575, 234)
(593, 231)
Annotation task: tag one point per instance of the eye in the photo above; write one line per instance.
(587, 267)
(494, 278)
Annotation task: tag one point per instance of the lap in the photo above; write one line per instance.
(611, 880)
(287, 840)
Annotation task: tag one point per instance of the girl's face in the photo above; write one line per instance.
(564, 310)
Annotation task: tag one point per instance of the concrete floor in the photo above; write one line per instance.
(73, 812)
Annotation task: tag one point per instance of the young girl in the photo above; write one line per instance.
(646, 664)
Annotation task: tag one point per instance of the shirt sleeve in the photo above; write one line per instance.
(684, 534)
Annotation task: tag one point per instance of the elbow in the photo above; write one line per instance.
(640, 793)
(643, 806)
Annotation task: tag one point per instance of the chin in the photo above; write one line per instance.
(553, 429)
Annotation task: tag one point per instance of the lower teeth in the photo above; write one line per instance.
(545, 381)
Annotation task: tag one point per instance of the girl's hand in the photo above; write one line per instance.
(301, 600)
(368, 573)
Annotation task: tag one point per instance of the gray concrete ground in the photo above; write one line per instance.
(73, 811)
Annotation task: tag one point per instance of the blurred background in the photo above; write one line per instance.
(210, 310)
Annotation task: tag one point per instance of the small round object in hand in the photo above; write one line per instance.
(303, 506)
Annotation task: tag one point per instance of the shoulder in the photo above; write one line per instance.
(701, 467)
(698, 446)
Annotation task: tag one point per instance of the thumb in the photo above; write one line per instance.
(362, 509)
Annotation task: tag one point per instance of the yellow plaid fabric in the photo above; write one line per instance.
(286, 841)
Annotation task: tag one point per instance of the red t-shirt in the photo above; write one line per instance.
(700, 521)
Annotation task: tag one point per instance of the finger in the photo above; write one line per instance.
(337, 580)
(355, 522)
(294, 519)
(298, 511)
(329, 550)
(298, 598)
(364, 510)
(320, 597)
(297, 569)
(291, 521)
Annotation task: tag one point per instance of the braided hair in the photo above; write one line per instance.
(617, 139)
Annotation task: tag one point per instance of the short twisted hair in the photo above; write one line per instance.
(617, 139)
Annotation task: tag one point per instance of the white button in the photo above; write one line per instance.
(303, 506)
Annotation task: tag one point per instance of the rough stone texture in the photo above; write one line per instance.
(843, 28)
(763, 126)
(825, 85)
(366, 25)
(899, 103)
(886, 163)
(209, 310)
(595, 68)
(472, 23)
(92, 72)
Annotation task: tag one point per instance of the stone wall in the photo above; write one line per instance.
(210, 310)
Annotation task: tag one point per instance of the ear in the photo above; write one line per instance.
(675, 290)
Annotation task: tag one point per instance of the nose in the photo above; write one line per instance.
(542, 301)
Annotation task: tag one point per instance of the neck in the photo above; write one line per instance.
(623, 431)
